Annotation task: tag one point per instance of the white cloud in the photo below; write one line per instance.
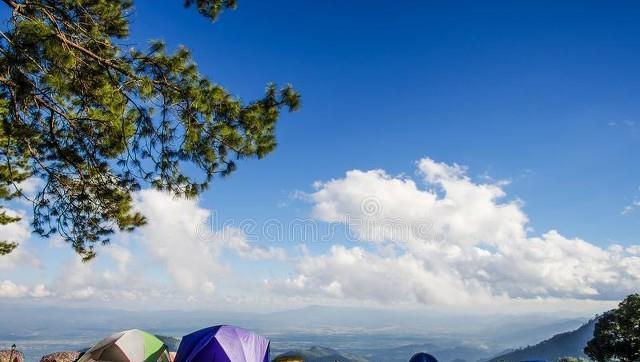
(235, 240)
(17, 232)
(440, 239)
(625, 123)
(110, 278)
(468, 213)
(178, 234)
(9, 289)
(174, 236)
(629, 208)
(121, 255)
(74, 279)
(360, 274)
(634, 250)
(456, 241)
(40, 291)
(30, 186)
(57, 242)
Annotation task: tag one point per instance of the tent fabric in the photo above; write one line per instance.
(223, 344)
(253, 346)
(106, 342)
(192, 344)
(215, 352)
(130, 342)
(127, 346)
(423, 357)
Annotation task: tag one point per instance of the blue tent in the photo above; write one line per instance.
(223, 344)
(423, 357)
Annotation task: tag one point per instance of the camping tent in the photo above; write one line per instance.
(133, 345)
(223, 344)
(423, 357)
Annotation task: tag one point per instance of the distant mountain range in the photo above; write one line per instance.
(388, 335)
(459, 353)
(398, 354)
(569, 344)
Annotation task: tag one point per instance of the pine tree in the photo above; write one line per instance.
(617, 333)
(96, 121)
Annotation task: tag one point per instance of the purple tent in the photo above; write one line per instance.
(223, 344)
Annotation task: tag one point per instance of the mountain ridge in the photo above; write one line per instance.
(567, 344)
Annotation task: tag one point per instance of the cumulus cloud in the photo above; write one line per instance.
(454, 241)
(172, 236)
(372, 200)
(40, 291)
(30, 186)
(109, 278)
(178, 235)
(9, 289)
(236, 240)
(357, 273)
(17, 232)
(120, 255)
(75, 279)
(438, 238)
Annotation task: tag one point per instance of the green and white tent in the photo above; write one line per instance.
(133, 345)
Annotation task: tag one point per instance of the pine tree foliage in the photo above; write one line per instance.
(96, 121)
(617, 333)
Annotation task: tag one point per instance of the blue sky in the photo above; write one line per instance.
(519, 91)
(542, 94)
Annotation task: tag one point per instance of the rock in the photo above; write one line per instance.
(6, 355)
(61, 357)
